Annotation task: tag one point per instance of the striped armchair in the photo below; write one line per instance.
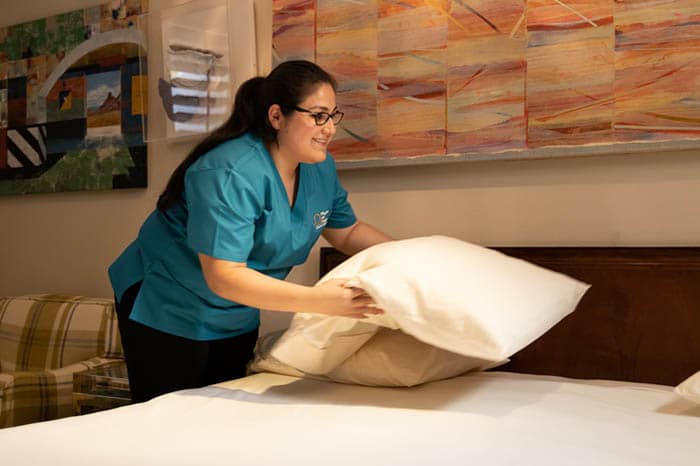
(44, 340)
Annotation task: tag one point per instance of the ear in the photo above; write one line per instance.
(274, 115)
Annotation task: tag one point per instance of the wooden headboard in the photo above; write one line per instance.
(640, 320)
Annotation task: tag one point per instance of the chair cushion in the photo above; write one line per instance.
(45, 332)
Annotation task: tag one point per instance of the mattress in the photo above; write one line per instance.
(490, 418)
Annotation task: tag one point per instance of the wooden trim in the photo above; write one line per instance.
(330, 257)
(610, 257)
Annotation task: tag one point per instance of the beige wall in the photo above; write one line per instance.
(65, 241)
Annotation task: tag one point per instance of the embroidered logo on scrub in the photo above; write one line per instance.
(321, 219)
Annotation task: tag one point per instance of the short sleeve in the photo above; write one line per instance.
(222, 209)
(342, 215)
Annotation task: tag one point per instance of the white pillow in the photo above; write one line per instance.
(454, 295)
(690, 388)
(389, 359)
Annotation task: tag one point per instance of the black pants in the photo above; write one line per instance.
(159, 362)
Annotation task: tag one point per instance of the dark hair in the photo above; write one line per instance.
(286, 85)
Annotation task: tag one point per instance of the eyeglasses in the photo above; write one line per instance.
(321, 118)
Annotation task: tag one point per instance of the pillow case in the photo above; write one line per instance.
(390, 358)
(448, 293)
(690, 388)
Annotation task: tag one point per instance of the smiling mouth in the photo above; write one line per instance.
(321, 142)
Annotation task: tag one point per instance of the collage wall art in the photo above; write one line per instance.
(73, 101)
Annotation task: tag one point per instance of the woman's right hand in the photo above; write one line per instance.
(336, 298)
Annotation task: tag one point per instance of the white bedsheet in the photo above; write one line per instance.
(493, 418)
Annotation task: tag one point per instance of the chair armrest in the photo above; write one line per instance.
(27, 396)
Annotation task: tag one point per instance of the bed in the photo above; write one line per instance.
(596, 389)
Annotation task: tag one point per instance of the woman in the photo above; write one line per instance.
(246, 205)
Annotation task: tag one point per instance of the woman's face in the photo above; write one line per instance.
(299, 137)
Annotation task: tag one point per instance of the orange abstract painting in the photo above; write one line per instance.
(481, 78)
(486, 76)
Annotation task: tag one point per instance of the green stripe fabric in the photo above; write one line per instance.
(44, 332)
(44, 340)
(40, 396)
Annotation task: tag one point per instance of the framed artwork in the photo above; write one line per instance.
(72, 92)
(438, 80)
(190, 69)
(190, 74)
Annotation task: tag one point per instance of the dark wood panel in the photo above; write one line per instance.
(330, 257)
(640, 321)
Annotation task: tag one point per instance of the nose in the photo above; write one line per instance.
(329, 127)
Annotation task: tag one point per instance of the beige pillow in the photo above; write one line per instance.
(392, 358)
(690, 388)
(389, 359)
(263, 361)
(447, 293)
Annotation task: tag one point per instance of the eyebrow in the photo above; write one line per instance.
(323, 109)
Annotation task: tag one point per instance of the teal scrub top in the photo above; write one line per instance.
(234, 207)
